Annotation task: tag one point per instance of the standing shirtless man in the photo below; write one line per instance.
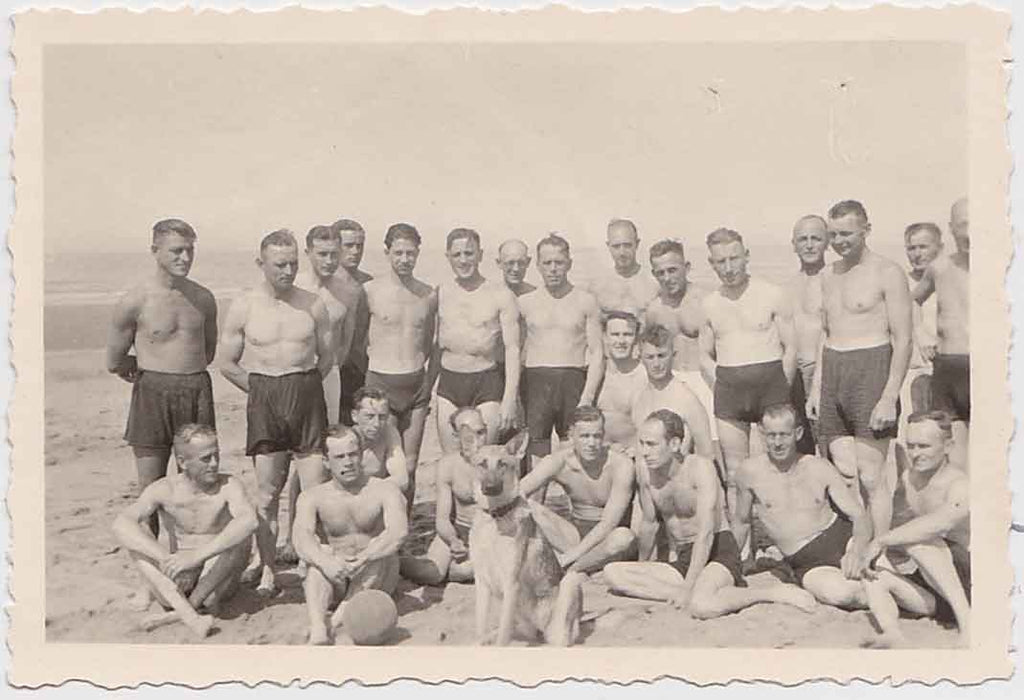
(172, 322)
(447, 557)
(383, 456)
(476, 320)
(624, 379)
(210, 521)
(514, 261)
(826, 551)
(403, 316)
(923, 243)
(348, 531)
(748, 348)
(287, 333)
(323, 250)
(599, 484)
(683, 491)
(810, 241)
(563, 355)
(629, 288)
(352, 373)
(865, 353)
(949, 279)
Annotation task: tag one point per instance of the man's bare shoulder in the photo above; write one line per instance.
(585, 298)
(381, 490)
(751, 467)
(422, 289)
(620, 462)
(699, 468)
(361, 277)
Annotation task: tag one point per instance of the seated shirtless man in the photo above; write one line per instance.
(448, 555)
(209, 521)
(932, 515)
(599, 484)
(825, 550)
(348, 532)
(383, 455)
(683, 490)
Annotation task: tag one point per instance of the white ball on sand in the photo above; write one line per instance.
(369, 617)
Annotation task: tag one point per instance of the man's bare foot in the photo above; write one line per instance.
(797, 597)
(201, 626)
(160, 619)
(141, 599)
(268, 583)
(889, 640)
(286, 555)
(319, 637)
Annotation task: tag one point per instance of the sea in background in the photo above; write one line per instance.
(82, 287)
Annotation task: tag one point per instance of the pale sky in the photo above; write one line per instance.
(510, 139)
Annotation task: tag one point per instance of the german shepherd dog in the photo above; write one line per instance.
(512, 560)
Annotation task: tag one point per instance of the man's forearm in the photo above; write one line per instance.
(922, 529)
(699, 557)
(383, 545)
(595, 372)
(741, 530)
(512, 371)
(234, 373)
(233, 534)
(645, 543)
(136, 538)
(898, 365)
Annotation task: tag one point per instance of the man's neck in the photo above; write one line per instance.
(594, 466)
(786, 465)
(628, 271)
(405, 280)
(625, 365)
(661, 383)
(518, 288)
(275, 293)
(164, 279)
(354, 487)
(915, 274)
(811, 269)
(736, 291)
(560, 291)
(674, 299)
(854, 259)
(923, 478)
(471, 283)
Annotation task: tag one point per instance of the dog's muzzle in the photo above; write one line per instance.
(491, 486)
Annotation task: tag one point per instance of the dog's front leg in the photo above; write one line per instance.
(483, 608)
(510, 600)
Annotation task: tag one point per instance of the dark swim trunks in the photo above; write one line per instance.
(286, 413)
(827, 549)
(405, 392)
(724, 551)
(852, 382)
(585, 525)
(550, 395)
(962, 564)
(163, 402)
(743, 392)
(951, 385)
(352, 380)
(470, 389)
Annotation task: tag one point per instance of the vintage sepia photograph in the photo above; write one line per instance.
(524, 342)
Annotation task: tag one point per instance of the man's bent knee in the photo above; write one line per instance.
(620, 540)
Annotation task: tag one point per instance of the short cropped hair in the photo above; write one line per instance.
(811, 217)
(281, 238)
(623, 222)
(189, 432)
(462, 234)
(322, 233)
(613, 315)
(398, 232)
(657, 335)
(553, 239)
(167, 227)
(347, 225)
(666, 246)
(672, 422)
(368, 392)
(848, 206)
(587, 414)
(337, 432)
(721, 236)
(455, 418)
(927, 226)
(940, 418)
(778, 410)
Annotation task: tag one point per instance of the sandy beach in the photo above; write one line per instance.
(90, 478)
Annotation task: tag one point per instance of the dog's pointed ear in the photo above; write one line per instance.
(516, 446)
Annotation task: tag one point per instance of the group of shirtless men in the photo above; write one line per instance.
(650, 385)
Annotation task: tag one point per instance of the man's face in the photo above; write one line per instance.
(588, 439)
(670, 270)
(780, 437)
(344, 459)
(352, 243)
(922, 247)
(324, 257)
(200, 460)
(729, 261)
(849, 234)
(622, 244)
(464, 257)
(514, 261)
(554, 265)
(657, 360)
(472, 433)
(174, 254)
(927, 447)
(370, 418)
(959, 226)
(280, 264)
(810, 240)
(619, 338)
(402, 255)
(655, 451)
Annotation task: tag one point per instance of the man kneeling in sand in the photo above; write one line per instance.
(209, 522)
(364, 522)
(599, 484)
(448, 555)
(826, 552)
(684, 491)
